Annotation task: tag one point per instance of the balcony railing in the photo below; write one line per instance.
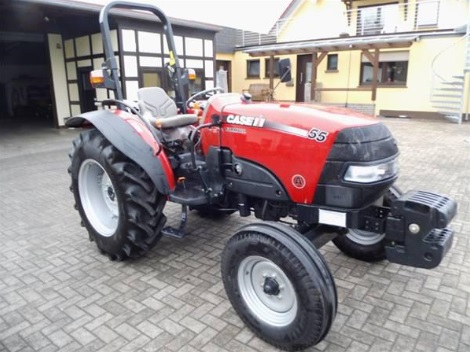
(411, 16)
(248, 38)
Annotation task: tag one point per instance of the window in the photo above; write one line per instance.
(276, 67)
(332, 62)
(377, 19)
(427, 13)
(252, 68)
(393, 69)
(198, 84)
(151, 78)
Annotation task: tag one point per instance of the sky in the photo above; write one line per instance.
(253, 15)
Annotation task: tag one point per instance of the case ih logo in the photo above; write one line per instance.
(245, 120)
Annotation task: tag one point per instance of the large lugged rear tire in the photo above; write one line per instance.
(280, 286)
(117, 201)
(364, 245)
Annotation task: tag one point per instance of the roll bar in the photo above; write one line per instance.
(176, 76)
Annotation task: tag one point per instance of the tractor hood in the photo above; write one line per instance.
(303, 145)
(292, 118)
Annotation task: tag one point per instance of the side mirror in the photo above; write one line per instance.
(285, 70)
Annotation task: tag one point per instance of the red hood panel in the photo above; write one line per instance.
(291, 140)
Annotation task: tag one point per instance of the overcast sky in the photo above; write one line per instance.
(254, 15)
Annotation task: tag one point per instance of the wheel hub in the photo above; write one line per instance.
(267, 291)
(271, 287)
(98, 197)
(111, 194)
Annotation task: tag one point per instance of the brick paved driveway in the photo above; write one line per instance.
(57, 293)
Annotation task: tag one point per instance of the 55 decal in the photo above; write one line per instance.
(318, 135)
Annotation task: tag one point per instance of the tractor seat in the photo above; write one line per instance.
(160, 109)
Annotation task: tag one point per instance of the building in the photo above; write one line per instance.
(384, 57)
(49, 47)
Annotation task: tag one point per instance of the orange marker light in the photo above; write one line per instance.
(96, 78)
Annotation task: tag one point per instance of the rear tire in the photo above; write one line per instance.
(279, 285)
(117, 201)
(364, 245)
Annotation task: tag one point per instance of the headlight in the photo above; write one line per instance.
(371, 173)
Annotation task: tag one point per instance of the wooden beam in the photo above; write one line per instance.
(322, 56)
(314, 77)
(375, 74)
(369, 56)
(271, 73)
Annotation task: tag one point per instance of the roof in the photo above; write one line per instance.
(336, 44)
(82, 5)
(290, 9)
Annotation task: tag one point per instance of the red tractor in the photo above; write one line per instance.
(311, 173)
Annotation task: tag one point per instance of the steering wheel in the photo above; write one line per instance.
(202, 93)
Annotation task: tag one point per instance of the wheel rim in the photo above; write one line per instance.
(267, 291)
(365, 238)
(98, 197)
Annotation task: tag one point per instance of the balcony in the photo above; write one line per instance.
(399, 18)
(404, 17)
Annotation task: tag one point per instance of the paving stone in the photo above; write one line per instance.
(58, 293)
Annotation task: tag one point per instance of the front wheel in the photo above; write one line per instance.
(280, 286)
(117, 201)
(364, 245)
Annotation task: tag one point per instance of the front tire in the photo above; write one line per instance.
(279, 285)
(364, 245)
(119, 205)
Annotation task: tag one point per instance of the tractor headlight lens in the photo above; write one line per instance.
(371, 173)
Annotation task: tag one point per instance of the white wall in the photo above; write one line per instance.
(59, 77)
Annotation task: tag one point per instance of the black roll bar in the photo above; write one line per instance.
(111, 60)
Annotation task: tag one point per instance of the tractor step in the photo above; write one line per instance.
(174, 233)
(189, 193)
(179, 232)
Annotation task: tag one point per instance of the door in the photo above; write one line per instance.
(86, 90)
(304, 78)
(226, 66)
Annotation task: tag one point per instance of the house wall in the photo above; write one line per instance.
(84, 51)
(136, 46)
(59, 77)
(328, 18)
(240, 82)
(313, 20)
(415, 96)
(143, 46)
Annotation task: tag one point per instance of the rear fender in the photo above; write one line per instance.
(130, 136)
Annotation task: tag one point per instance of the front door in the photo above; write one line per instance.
(304, 78)
(226, 66)
(86, 90)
